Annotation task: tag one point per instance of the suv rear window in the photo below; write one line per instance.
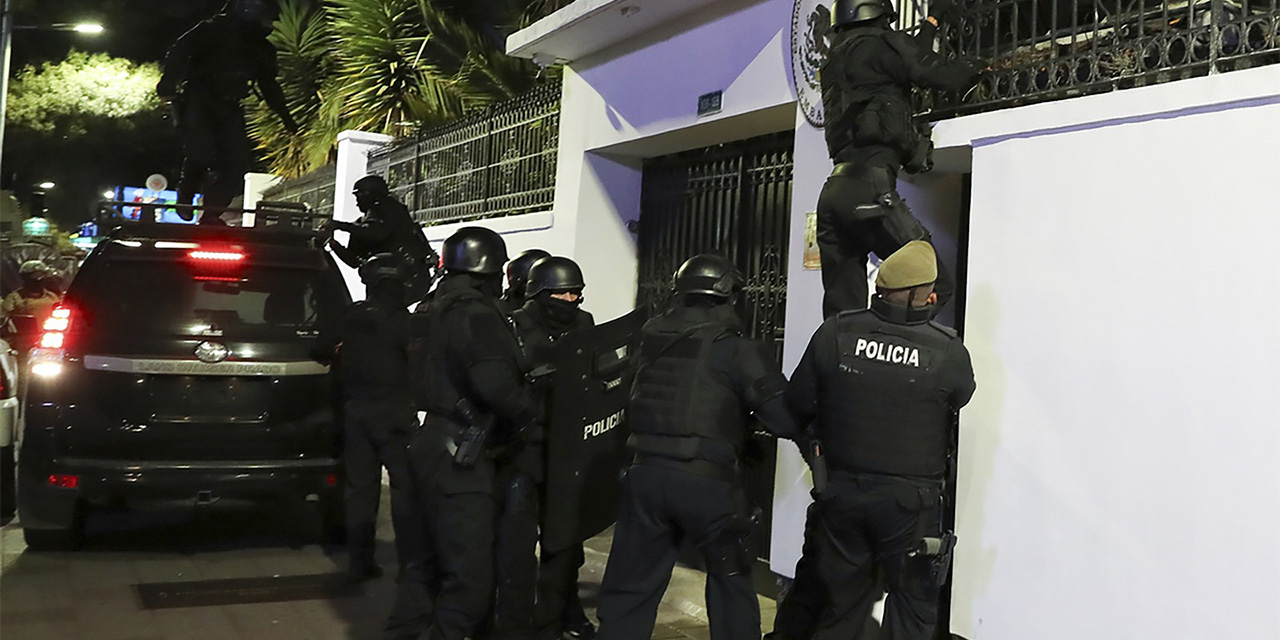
(172, 298)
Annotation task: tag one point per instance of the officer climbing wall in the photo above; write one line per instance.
(552, 311)
(480, 415)
(369, 346)
(883, 387)
(698, 384)
(386, 227)
(518, 277)
(207, 74)
(866, 95)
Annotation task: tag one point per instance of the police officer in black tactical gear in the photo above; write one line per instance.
(207, 74)
(883, 387)
(386, 227)
(697, 385)
(552, 311)
(369, 346)
(480, 415)
(871, 135)
(518, 277)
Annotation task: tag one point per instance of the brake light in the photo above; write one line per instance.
(64, 481)
(58, 320)
(219, 257)
(331, 480)
(55, 328)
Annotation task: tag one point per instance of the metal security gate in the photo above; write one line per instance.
(733, 200)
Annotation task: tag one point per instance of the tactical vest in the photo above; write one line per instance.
(373, 364)
(870, 109)
(435, 382)
(676, 394)
(884, 409)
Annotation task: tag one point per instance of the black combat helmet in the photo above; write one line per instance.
(710, 275)
(554, 274)
(474, 250)
(371, 184)
(854, 12)
(518, 268)
(379, 267)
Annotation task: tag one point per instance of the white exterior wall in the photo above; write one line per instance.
(1106, 461)
(639, 99)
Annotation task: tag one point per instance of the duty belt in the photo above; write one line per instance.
(880, 177)
(704, 468)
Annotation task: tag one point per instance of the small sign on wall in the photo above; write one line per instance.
(709, 103)
(812, 259)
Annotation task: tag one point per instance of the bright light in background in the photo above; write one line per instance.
(110, 195)
(88, 27)
(47, 185)
(46, 369)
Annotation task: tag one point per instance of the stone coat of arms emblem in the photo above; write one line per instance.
(810, 22)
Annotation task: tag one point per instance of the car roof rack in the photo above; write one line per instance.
(269, 215)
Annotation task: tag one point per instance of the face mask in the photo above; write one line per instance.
(559, 312)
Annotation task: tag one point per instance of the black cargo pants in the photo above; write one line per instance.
(661, 508)
(459, 506)
(800, 610)
(847, 233)
(375, 435)
(870, 523)
(559, 605)
(214, 141)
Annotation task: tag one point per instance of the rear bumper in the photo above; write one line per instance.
(168, 485)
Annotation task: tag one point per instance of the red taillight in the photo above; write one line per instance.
(58, 320)
(64, 481)
(331, 480)
(55, 328)
(219, 257)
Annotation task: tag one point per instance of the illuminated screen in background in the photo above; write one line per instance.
(142, 194)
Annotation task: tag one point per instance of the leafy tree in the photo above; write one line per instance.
(388, 66)
(87, 121)
(303, 40)
(67, 97)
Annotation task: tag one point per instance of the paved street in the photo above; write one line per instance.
(90, 593)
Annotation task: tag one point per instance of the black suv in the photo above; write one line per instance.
(176, 373)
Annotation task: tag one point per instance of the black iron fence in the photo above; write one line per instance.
(499, 162)
(1051, 49)
(315, 189)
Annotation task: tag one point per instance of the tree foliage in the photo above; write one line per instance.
(303, 41)
(388, 66)
(71, 96)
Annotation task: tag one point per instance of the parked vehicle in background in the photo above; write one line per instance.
(176, 374)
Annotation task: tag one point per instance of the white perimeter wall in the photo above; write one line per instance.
(1121, 452)
(1119, 472)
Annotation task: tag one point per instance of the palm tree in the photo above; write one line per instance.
(302, 40)
(388, 66)
(408, 61)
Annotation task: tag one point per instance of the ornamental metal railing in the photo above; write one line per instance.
(498, 162)
(315, 189)
(1050, 49)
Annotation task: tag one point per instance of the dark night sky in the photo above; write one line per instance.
(136, 29)
(140, 30)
